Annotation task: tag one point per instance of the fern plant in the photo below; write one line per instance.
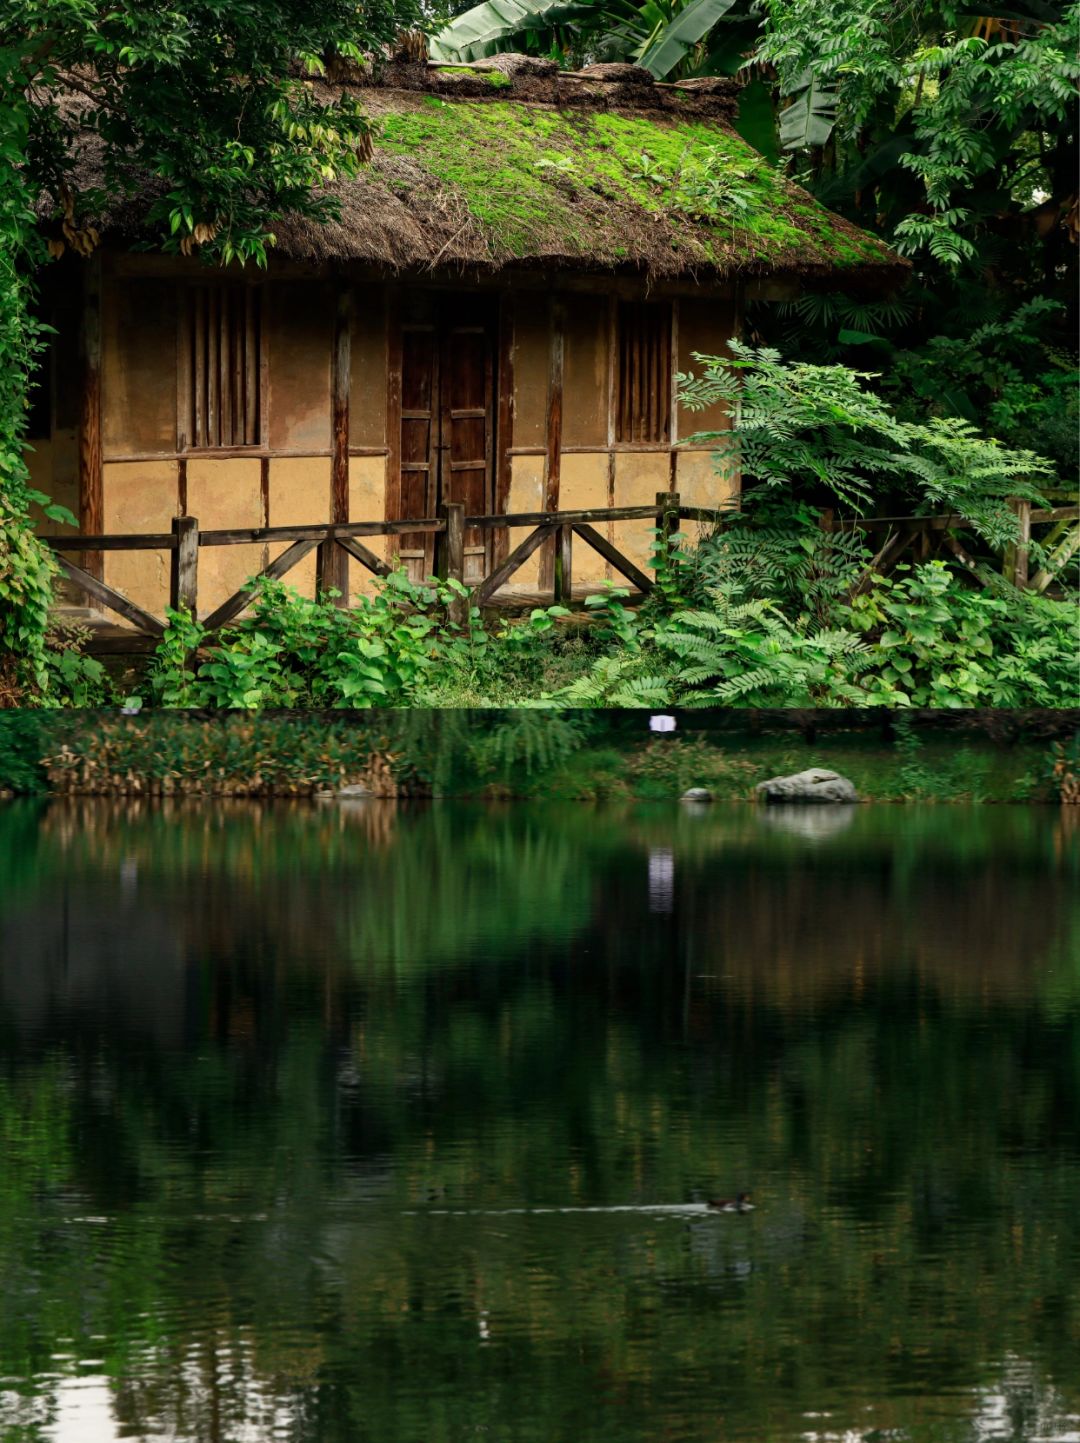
(818, 433)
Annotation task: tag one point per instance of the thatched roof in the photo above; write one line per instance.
(510, 162)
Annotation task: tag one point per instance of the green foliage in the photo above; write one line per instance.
(817, 431)
(291, 651)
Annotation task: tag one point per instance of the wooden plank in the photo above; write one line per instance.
(184, 565)
(274, 572)
(451, 554)
(553, 431)
(1023, 552)
(91, 491)
(142, 541)
(113, 600)
(520, 554)
(393, 409)
(592, 513)
(318, 532)
(333, 568)
(610, 553)
(365, 557)
(564, 565)
(1056, 513)
(196, 301)
(185, 353)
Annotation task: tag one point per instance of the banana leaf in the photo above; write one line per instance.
(492, 27)
(810, 117)
(677, 39)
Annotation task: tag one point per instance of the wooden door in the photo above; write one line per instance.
(447, 421)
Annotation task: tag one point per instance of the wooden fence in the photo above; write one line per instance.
(185, 542)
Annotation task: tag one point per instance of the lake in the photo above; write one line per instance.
(397, 1123)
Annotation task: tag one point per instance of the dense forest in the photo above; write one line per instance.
(950, 134)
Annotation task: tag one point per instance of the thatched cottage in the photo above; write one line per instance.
(498, 318)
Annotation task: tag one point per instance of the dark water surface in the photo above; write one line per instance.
(368, 1123)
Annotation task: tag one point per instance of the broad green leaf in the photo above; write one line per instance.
(673, 42)
(489, 29)
(809, 119)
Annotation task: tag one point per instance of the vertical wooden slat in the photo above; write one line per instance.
(612, 409)
(564, 565)
(635, 374)
(333, 561)
(228, 373)
(197, 301)
(263, 397)
(185, 361)
(673, 368)
(553, 458)
(213, 408)
(251, 376)
(500, 540)
(91, 493)
(393, 413)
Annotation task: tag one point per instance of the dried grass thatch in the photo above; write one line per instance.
(510, 162)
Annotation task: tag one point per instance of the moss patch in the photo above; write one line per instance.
(605, 186)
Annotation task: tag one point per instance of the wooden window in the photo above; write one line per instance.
(224, 370)
(643, 372)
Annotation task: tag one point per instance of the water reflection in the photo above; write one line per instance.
(391, 1123)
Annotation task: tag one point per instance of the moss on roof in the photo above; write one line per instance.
(596, 182)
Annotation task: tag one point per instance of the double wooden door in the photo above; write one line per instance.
(447, 420)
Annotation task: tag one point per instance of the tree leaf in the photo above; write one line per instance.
(674, 42)
(809, 119)
(490, 28)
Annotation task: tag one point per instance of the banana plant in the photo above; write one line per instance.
(659, 35)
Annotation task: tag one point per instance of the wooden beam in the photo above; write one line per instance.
(333, 564)
(564, 565)
(1020, 573)
(113, 600)
(520, 554)
(184, 565)
(504, 433)
(553, 433)
(91, 492)
(393, 411)
(127, 541)
(450, 553)
(621, 563)
(277, 569)
(365, 557)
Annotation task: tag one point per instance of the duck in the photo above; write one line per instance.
(740, 1203)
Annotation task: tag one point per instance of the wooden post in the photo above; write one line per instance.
(450, 556)
(667, 520)
(333, 564)
(564, 569)
(91, 495)
(504, 435)
(1020, 572)
(184, 565)
(553, 460)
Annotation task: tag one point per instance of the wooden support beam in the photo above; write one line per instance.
(277, 569)
(365, 557)
(91, 492)
(333, 564)
(113, 600)
(184, 566)
(667, 522)
(553, 453)
(504, 433)
(450, 557)
(564, 565)
(520, 554)
(622, 564)
(1020, 570)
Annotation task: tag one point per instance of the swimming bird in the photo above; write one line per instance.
(740, 1203)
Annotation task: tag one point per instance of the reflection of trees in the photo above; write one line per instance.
(467, 1010)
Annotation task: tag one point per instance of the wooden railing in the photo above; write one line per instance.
(185, 541)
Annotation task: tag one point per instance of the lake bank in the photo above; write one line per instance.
(491, 755)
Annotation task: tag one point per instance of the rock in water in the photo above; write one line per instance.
(816, 784)
(696, 794)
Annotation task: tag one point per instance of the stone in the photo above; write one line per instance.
(697, 794)
(353, 791)
(816, 784)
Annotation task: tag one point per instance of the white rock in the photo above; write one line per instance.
(816, 784)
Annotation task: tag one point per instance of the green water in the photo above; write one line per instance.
(390, 1124)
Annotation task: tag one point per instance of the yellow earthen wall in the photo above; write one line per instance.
(367, 502)
(584, 484)
(585, 371)
(705, 326)
(526, 494)
(299, 330)
(138, 368)
(299, 496)
(531, 363)
(140, 496)
(367, 391)
(224, 493)
(639, 475)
